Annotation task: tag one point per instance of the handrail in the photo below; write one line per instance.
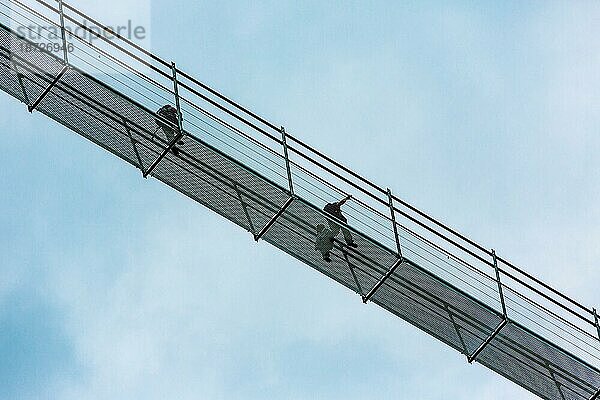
(117, 35)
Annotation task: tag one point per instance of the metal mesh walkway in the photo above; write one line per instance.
(273, 185)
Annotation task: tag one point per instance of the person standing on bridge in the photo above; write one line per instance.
(167, 119)
(324, 242)
(335, 210)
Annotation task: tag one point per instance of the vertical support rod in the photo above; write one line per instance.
(393, 214)
(597, 323)
(465, 351)
(20, 79)
(500, 292)
(177, 104)
(133, 141)
(358, 286)
(244, 207)
(63, 32)
(560, 392)
(287, 160)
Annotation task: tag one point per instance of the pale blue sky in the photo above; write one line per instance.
(483, 114)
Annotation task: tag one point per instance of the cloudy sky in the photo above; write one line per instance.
(483, 114)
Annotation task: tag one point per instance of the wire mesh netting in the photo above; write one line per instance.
(452, 298)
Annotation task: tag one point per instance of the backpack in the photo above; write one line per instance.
(169, 113)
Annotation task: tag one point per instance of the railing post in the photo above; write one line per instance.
(177, 104)
(63, 32)
(500, 292)
(287, 160)
(179, 135)
(504, 321)
(393, 215)
(596, 322)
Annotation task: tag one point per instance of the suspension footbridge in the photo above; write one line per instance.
(269, 182)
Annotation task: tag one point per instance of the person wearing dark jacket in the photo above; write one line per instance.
(168, 120)
(324, 242)
(335, 210)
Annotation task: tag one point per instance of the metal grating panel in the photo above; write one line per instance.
(436, 307)
(9, 80)
(541, 366)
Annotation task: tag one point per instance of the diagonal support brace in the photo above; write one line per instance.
(487, 341)
(382, 280)
(275, 217)
(596, 395)
(163, 154)
(47, 90)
